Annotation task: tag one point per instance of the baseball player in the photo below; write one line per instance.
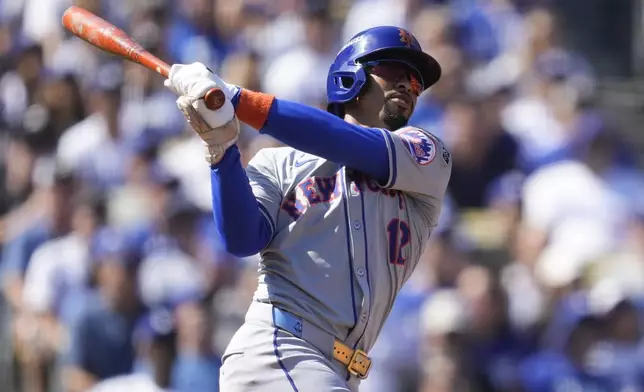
(339, 218)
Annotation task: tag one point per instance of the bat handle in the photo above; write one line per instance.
(214, 98)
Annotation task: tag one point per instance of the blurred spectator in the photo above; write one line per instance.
(623, 268)
(197, 365)
(58, 270)
(137, 205)
(55, 222)
(18, 87)
(147, 106)
(183, 159)
(433, 28)
(62, 97)
(482, 151)
(273, 29)
(41, 18)
(486, 29)
(567, 368)
(620, 356)
(575, 356)
(313, 58)
(92, 148)
(542, 34)
(551, 120)
(364, 14)
(443, 321)
(174, 270)
(194, 36)
(577, 210)
(154, 339)
(64, 60)
(527, 300)
(62, 265)
(17, 174)
(101, 339)
(155, 342)
(494, 346)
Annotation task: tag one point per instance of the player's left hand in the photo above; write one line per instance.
(196, 80)
(193, 81)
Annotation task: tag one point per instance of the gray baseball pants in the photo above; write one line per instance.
(263, 357)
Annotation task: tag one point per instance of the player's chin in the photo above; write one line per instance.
(394, 117)
(395, 121)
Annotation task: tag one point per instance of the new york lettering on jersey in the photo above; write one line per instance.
(311, 192)
(325, 189)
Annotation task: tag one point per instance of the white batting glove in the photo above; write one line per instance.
(219, 129)
(196, 80)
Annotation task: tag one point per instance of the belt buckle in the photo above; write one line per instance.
(360, 364)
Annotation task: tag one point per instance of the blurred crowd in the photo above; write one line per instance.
(111, 280)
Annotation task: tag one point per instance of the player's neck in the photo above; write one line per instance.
(352, 119)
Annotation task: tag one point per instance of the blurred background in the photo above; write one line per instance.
(535, 277)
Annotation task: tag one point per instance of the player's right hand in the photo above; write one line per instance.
(196, 80)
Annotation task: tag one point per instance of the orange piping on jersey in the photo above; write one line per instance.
(253, 108)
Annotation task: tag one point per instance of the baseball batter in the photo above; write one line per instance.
(340, 217)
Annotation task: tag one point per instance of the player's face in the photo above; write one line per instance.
(398, 88)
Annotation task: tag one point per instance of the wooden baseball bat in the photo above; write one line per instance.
(111, 39)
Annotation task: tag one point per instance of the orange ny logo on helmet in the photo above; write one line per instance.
(405, 37)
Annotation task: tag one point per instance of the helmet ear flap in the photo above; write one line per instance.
(346, 85)
(344, 82)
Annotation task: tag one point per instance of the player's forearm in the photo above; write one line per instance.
(242, 229)
(316, 132)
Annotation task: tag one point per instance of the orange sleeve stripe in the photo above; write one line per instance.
(253, 107)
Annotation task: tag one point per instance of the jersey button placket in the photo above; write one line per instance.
(360, 261)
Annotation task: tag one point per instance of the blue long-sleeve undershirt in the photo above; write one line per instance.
(242, 228)
(316, 132)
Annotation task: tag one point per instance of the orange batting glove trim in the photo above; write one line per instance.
(253, 107)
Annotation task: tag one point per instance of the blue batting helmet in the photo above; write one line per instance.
(347, 75)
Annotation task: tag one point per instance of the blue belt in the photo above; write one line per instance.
(356, 361)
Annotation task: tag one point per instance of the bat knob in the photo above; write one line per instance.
(215, 99)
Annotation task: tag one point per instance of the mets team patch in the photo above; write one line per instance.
(421, 147)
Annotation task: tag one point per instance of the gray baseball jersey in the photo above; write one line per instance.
(344, 245)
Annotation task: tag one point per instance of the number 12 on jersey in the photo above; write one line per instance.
(398, 234)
